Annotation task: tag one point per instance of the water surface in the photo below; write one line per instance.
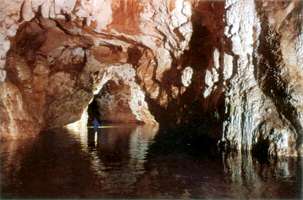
(130, 161)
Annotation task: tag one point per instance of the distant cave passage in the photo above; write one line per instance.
(93, 112)
(112, 104)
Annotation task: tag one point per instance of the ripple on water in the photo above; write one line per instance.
(115, 163)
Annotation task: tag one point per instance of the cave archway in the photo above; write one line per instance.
(112, 104)
(58, 72)
(55, 75)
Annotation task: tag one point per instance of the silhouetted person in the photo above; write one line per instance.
(91, 134)
(96, 124)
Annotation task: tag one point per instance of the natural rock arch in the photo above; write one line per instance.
(57, 75)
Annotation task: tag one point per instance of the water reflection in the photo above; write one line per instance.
(121, 144)
(118, 154)
(257, 177)
(114, 162)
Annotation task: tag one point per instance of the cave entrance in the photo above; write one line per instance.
(112, 105)
(93, 113)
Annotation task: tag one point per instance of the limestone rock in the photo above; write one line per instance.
(259, 100)
(186, 77)
(64, 52)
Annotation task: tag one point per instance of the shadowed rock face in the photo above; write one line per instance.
(235, 64)
(264, 100)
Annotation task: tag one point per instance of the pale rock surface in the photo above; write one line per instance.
(186, 76)
(228, 66)
(122, 100)
(260, 100)
(211, 77)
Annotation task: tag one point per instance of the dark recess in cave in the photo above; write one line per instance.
(191, 112)
(260, 150)
(93, 112)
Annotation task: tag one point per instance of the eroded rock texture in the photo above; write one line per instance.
(264, 99)
(236, 65)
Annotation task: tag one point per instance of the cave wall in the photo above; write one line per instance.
(264, 97)
(235, 64)
(59, 54)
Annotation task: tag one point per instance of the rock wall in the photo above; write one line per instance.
(264, 98)
(234, 64)
(59, 54)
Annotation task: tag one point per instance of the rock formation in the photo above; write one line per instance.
(264, 97)
(237, 64)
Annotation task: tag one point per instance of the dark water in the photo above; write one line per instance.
(124, 162)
